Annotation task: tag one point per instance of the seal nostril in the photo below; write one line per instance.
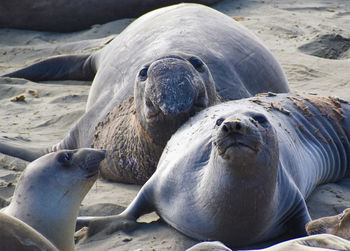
(238, 126)
(225, 128)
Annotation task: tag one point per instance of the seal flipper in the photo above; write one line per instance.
(21, 151)
(125, 221)
(65, 67)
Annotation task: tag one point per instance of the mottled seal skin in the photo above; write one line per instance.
(239, 172)
(338, 225)
(320, 242)
(68, 16)
(162, 69)
(50, 190)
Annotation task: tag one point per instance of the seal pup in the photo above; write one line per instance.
(49, 192)
(247, 169)
(68, 16)
(150, 79)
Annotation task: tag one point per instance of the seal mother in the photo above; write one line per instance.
(174, 61)
(248, 167)
(68, 16)
(47, 198)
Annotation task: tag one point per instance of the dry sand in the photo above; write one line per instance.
(309, 38)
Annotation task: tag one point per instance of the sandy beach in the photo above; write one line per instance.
(310, 39)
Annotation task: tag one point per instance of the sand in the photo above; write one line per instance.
(309, 38)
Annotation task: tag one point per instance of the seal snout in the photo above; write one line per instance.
(236, 133)
(91, 159)
(234, 126)
(174, 86)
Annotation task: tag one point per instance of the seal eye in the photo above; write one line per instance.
(219, 121)
(65, 158)
(197, 64)
(261, 119)
(143, 74)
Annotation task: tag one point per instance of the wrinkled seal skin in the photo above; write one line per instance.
(68, 16)
(48, 197)
(162, 69)
(247, 169)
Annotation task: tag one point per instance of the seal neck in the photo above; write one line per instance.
(248, 198)
(133, 155)
(57, 225)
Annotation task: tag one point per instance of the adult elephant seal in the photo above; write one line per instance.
(159, 71)
(239, 172)
(47, 198)
(68, 16)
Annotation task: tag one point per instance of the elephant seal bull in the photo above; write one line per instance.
(239, 172)
(162, 69)
(68, 16)
(47, 200)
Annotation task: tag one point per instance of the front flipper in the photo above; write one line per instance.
(27, 152)
(111, 224)
(65, 67)
(126, 221)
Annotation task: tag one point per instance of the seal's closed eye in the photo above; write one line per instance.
(65, 158)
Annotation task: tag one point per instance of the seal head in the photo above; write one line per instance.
(50, 190)
(169, 90)
(240, 142)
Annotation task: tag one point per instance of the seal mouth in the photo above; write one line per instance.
(240, 145)
(248, 145)
(158, 115)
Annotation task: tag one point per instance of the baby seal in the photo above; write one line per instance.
(49, 192)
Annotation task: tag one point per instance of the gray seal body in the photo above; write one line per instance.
(68, 16)
(163, 68)
(240, 172)
(47, 198)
